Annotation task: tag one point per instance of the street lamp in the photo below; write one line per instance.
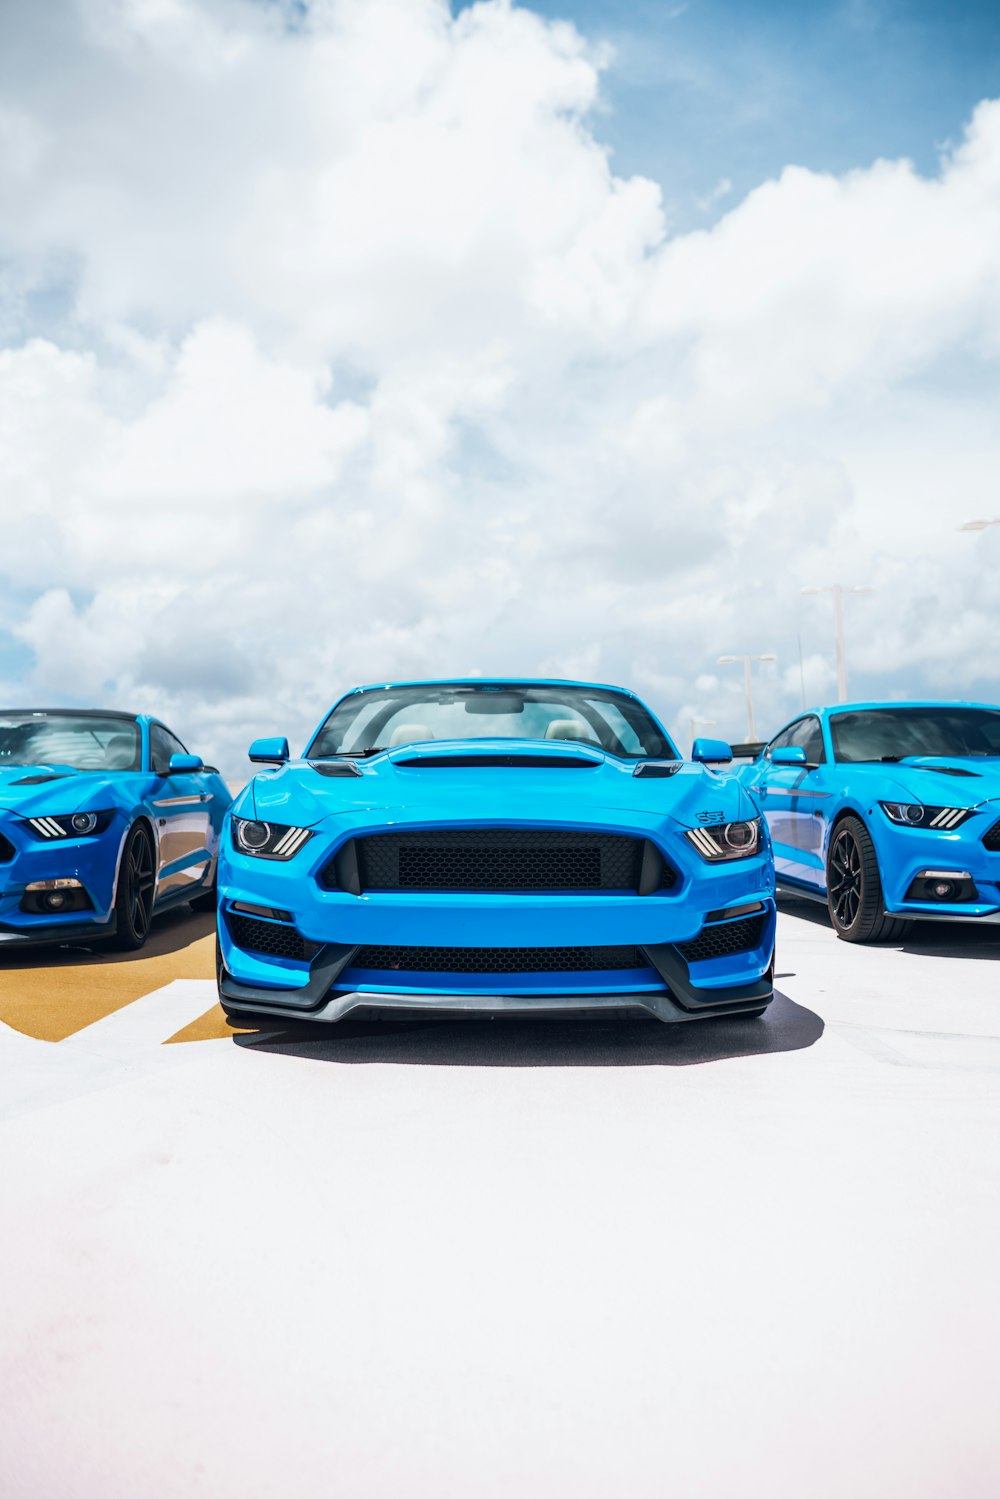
(747, 685)
(978, 525)
(700, 723)
(838, 590)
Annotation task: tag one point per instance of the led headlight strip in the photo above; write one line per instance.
(78, 825)
(916, 815)
(720, 842)
(268, 840)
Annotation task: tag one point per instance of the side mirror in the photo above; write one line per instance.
(179, 764)
(269, 751)
(711, 752)
(789, 754)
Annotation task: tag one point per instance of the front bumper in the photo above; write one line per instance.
(93, 861)
(327, 982)
(905, 853)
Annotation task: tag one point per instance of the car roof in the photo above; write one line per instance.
(906, 703)
(494, 682)
(80, 713)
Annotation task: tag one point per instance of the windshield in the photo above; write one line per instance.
(894, 733)
(77, 740)
(388, 716)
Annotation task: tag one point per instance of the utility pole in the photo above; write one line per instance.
(747, 684)
(838, 590)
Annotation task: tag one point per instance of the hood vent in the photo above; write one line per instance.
(42, 780)
(495, 761)
(335, 767)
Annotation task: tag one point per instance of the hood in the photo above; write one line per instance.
(40, 790)
(486, 779)
(958, 781)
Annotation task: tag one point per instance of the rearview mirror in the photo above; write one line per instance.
(789, 754)
(711, 752)
(269, 751)
(178, 764)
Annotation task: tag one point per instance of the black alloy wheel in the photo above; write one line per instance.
(136, 889)
(854, 888)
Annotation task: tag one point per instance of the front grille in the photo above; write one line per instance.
(499, 859)
(272, 938)
(991, 838)
(498, 959)
(724, 938)
(7, 850)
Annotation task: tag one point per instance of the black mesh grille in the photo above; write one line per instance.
(991, 838)
(7, 850)
(270, 937)
(498, 959)
(499, 859)
(719, 941)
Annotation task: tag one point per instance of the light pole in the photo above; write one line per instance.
(747, 684)
(838, 590)
(703, 723)
(978, 525)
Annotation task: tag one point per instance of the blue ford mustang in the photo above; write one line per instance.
(886, 811)
(105, 820)
(493, 846)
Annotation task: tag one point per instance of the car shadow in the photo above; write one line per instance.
(520, 1041)
(170, 933)
(923, 939)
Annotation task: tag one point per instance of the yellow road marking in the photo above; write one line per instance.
(212, 1026)
(53, 992)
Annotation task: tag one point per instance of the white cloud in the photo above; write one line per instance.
(373, 367)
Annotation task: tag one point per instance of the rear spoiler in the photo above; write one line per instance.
(748, 751)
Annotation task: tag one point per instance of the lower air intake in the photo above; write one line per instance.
(6, 850)
(724, 938)
(498, 959)
(272, 938)
(991, 838)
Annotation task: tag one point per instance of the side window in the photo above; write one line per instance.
(808, 733)
(805, 732)
(782, 740)
(162, 745)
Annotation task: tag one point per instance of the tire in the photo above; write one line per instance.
(136, 889)
(854, 888)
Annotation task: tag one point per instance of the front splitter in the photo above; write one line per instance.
(661, 1005)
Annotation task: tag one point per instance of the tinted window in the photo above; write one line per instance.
(163, 744)
(384, 717)
(873, 734)
(805, 733)
(809, 735)
(78, 740)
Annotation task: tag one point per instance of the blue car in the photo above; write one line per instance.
(887, 812)
(492, 846)
(105, 820)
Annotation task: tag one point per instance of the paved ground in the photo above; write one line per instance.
(485, 1259)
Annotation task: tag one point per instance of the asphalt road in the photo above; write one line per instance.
(502, 1258)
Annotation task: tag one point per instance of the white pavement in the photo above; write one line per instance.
(511, 1259)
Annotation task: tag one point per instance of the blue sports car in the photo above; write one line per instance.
(494, 846)
(886, 812)
(105, 820)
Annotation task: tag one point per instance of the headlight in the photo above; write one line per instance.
(916, 815)
(77, 825)
(268, 840)
(726, 840)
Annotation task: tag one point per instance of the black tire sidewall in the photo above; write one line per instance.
(125, 934)
(870, 902)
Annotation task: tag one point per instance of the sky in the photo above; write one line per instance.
(356, 340)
